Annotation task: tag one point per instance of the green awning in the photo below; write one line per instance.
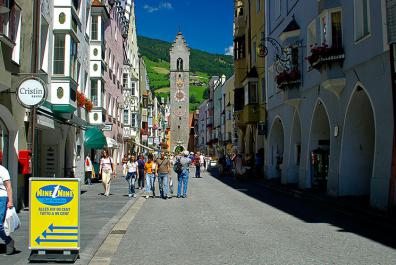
(95, 139)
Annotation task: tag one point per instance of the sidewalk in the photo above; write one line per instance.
(351, 206)
(98, 215)
(356, 207)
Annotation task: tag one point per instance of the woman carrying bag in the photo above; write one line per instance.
(5, 203)
(107, 171)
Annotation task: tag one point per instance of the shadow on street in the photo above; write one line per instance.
(310, 211)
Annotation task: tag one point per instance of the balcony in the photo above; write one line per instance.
(251, 113)
(329, 62)
(240, 26)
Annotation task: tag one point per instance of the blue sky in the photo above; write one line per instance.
(206, 24)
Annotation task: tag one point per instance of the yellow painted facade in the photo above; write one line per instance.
(249, 83)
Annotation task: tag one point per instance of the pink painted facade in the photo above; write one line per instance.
(114, 60)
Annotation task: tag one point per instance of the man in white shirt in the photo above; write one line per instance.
(5, 203)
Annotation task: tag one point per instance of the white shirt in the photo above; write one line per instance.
(88, 167)
(132, 166)
(201, 159)
(4, 175)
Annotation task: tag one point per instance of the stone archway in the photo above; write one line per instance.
(295, 150)
(358, 145)
(319, 149)
(276, 149)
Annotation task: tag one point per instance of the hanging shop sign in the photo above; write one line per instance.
(31, 92)
(54, 222)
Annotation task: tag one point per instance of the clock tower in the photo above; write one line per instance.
(179, 93)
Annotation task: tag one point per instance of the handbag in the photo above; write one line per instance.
(11, 221)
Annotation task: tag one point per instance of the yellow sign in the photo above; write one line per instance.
(54, 214)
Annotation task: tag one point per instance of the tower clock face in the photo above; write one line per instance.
(180, 95)
(179, 83)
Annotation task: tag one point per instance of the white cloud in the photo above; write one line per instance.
(229, 50)
(162, 5)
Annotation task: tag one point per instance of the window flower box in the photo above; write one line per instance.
(288, 79)
(324, 55)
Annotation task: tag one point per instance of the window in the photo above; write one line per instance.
(94, 92)
(330, 29)
(44, 44)
(103, 95)
(361, 19)
(125, 80)
(126, 116)
(15, 31)
(251, 93)
(74, 64)
(59, 53)
(94, 28)
(254, 53)
(134, 120)
(180, 64)
(263, 91)
(133, 88)
(239, 48)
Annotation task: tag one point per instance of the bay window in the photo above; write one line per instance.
(126, 117)
(59, 54)
(331, 28)
(251, 93)
(94, 28)
(94, 92)
(74, 64)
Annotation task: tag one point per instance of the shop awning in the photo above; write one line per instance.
(94, 138)
(111, 143)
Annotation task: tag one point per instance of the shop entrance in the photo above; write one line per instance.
(319, 147)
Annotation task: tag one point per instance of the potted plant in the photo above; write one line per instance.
(88, 105)
(324, 53)
(286, 78)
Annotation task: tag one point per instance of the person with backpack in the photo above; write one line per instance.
(182, 166)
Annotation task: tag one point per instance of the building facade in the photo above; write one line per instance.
(179, 93)
(250, 114)
(326, 95)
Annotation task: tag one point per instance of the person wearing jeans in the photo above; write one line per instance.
(149, 169)
(5, 203)
(183, 176)
(132, 173)
(163, 169)
(141, 172)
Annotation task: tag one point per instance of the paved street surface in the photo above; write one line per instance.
(221, 222)
(230, 223)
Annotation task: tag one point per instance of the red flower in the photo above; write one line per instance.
(88, 105)
(81, 99)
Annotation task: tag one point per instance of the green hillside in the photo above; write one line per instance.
(203, 65)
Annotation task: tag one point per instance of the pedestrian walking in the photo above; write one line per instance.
(107, 171)
(197, 162)
(124, 162)
(89, 171)
(163, 169)
(141, 175)
(185, 162)
(131, 175)
(149, 169)
(5, 203)
(202, 161)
